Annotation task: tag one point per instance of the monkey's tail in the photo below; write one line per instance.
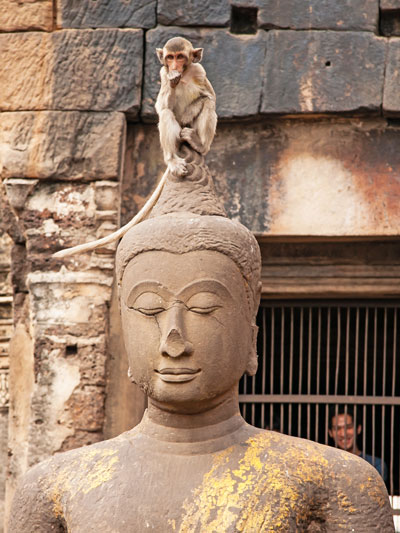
(121, 232)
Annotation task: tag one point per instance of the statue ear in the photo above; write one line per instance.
(252, 363)
(160, 55)
(197, 55)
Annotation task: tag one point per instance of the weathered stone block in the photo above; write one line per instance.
(106, 14)
(319, 14)
(323, 72)
(234, 65)
(61, 214)
(26, 15)
(391, 94)
(99, 70)
(292, 177)
(193, 13)
(65, 145)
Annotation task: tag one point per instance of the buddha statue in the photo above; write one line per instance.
(189, 289)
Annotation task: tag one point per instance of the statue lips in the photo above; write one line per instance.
(177, 375)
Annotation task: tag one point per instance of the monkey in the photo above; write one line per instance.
(185, 104)
(186, 109)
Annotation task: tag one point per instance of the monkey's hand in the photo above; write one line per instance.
(190, 136)
(178, 167)
(174, 78)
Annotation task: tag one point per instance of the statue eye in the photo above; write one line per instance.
(204, 303)
(149, 304)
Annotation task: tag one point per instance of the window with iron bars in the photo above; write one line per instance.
(314, 355)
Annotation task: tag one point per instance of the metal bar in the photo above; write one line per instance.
(365, 377)
(327, 423)
(383, 412)
(374, 383)
(347, 355)
(384, 351)
(272, 388)
(264, 364)
(394, 353)
(271, 378)
(392, 436)
(299, 406)
(282, 348)
(337, 351)
(253, 405)
(391, 465)
(356, 350)
(281, 416)
(365, 351)
(326, 302)
(383, 409)
(318, 374)
(290, 368)
(320, 398)
(364, 433)
(309, 369)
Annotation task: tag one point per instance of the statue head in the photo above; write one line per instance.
(189, 286)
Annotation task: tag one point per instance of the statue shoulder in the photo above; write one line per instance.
(38, 501)
(349, 493)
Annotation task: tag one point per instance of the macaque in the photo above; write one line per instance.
(185, 103)
(186, 110)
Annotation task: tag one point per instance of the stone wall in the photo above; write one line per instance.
(307, 145)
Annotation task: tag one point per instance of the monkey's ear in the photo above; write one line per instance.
(197, 55)
(160, 55)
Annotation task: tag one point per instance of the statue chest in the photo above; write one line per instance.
(205, 493)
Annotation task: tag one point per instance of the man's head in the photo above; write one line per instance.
(342, 428)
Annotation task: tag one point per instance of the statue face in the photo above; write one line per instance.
(186, 327)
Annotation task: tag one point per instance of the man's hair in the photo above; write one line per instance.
(341, 409)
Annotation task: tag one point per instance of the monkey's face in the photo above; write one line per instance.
(176, 61)
(186, 331)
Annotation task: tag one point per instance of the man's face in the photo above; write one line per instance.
(343, 432)
(186, 327)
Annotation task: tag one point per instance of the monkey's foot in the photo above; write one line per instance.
(191, 137)
(178, 167)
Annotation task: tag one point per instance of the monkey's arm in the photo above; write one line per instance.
(203, 121)
(201, 134)
(169, 128)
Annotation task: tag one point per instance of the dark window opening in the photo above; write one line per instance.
(243, 19)
(71, 349)
(389, 23)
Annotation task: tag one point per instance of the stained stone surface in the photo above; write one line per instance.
(193, 13)
(26, 15)
(319, 14)
(71, 70)
(323, 72)
(237, 81)
(391, 95)
(67, 145)
(387, 5)
(290, 177)
(106, 14)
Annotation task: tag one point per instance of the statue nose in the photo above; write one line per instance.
(174, 342)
